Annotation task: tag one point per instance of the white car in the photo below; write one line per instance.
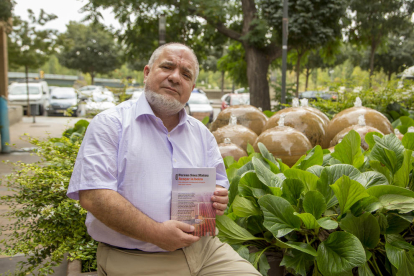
(38, 95)
(88, 90)
(99, 101)
(199, 107)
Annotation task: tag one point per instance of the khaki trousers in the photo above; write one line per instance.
(207, 257)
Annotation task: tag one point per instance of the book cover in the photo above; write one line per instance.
(191, 203)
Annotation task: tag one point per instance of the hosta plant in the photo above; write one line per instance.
(348, 212)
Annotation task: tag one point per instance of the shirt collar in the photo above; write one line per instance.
(143, 107)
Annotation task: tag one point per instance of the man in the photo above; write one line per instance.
(123, 176)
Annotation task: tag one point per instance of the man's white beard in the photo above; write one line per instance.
(164, 104)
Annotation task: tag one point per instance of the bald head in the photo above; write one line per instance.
(156, 54)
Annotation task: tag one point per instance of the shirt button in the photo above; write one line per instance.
(168, 135)
(175, 160)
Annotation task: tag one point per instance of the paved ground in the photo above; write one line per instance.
(44, 127)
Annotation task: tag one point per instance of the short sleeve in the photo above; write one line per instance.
(215, 160)
(96, 163)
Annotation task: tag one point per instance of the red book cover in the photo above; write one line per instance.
(191, 203)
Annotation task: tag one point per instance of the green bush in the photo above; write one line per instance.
(46, 223)
(343, 213)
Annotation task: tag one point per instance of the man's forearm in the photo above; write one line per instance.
(119, 214)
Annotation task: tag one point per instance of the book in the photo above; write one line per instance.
(191, 203)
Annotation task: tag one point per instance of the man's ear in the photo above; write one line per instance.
(146, 72)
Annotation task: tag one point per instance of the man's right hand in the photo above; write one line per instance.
(172, 235)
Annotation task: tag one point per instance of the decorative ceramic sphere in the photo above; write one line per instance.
(238, 134)
(304, 104)
(229, 149)
(302, 120)
(362, 130)
(349, 117)
(247, 115)
(284, 142)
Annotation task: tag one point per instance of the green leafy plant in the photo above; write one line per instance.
(45, 223)
(343, 213)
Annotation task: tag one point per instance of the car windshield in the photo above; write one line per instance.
(22, 90)
(89, 88)
(198, 100)
(63, 94)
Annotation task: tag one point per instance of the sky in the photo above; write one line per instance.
(66, 10)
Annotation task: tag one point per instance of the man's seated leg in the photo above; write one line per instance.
(211, 257)
(114, 262)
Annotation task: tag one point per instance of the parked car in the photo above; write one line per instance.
(88, 90)
(136, 95)
(38, 95)
(132, 90)
(315, 95)
(99, 101)
(198, 90)
(235, 99)
(199, 107)
(62, 98)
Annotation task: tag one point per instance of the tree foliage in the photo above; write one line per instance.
(198, 23)
(371, 21)
(28, 46)
(6, 7)
(89, 48)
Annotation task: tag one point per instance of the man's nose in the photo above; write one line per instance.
(175, 76)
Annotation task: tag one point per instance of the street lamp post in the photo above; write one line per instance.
(284, 49)
(161, 29)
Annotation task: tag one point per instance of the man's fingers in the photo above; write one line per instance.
(220, 199)
(221, 192)
(184, 226)
(219, 206)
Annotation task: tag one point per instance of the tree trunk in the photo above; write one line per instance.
(257, 68)
(27, 88)
(307, 78)
(92, 78)
(222, 83)
(298, 74)
(371, 61)
(389, 75)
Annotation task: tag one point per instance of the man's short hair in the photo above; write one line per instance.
(158, 52)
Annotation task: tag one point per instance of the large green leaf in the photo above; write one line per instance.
(369, 138)
(389, 151)
(264, 174)
(266, 154)
(316, 170)
(403, 204)
(314, 203)
(408, 141)
(396, 224)
(313, 157)
(372, 178)
(292, 189)
(340, 253)
(308, 178)
(228, 161)
(249, 149)
(402, 177)
(242, 207)
(245, 168)
(301, 246)
(298, 261)
(394, 254)
(406, 266)
(232, 233)
(378, 167)
(349, 150)
(381, 190)
(278, 215)
(331, 174)
(348, 192)
(234, 189)
(311, 223)
(364, 227)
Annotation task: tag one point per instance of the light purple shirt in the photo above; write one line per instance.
(128, 149)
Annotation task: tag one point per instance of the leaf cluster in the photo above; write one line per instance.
(337, 213)
(45, 223)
